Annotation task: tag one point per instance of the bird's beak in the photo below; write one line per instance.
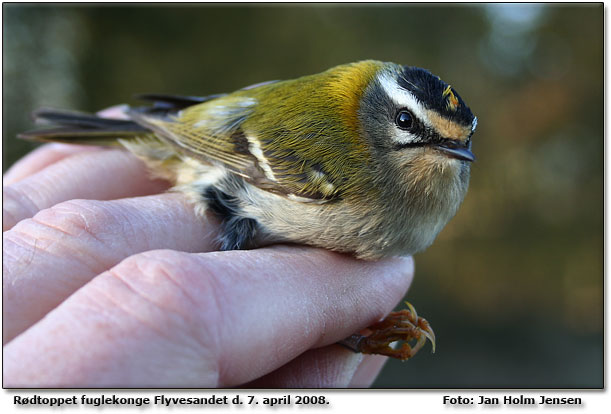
(455, 150)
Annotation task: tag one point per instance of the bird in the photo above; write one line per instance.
(368, 158)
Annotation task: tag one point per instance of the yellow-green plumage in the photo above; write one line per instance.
(296, 137)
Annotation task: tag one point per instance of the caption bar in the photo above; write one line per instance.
(162, 400)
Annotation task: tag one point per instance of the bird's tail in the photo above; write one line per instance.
(75, 127)
(82, 128)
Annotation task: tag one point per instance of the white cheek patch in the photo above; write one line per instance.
(403, 99)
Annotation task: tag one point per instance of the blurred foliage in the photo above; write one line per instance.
(514, 285)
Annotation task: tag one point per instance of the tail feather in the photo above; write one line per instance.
(82, 128)
(81, 119)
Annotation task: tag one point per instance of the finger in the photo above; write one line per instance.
(328, 367)
(100, 175)
(50, 256)
(41, 158)
(368, 371)
(212, 319)
(302, 300)
(115, 112)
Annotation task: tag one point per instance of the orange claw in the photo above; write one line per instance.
(404, 325)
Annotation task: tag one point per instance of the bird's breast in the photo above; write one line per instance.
(433, 188)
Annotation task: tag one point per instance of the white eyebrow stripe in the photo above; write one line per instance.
(403, 98)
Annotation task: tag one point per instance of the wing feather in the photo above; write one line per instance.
(212, 132)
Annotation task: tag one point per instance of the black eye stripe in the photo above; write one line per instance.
(423, 134)
(432, 137)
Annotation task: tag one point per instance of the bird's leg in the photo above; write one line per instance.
(404, 325)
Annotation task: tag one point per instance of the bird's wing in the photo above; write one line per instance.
(216, 131)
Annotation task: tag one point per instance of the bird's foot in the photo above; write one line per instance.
(403, 326)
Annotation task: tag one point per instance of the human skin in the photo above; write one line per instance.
(109, 281)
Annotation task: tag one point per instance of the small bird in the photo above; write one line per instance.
(369, 158)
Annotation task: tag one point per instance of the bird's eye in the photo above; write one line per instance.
(404, 120)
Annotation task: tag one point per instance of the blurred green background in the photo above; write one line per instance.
(514, 284)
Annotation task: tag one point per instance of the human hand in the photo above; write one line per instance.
(109, 283)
